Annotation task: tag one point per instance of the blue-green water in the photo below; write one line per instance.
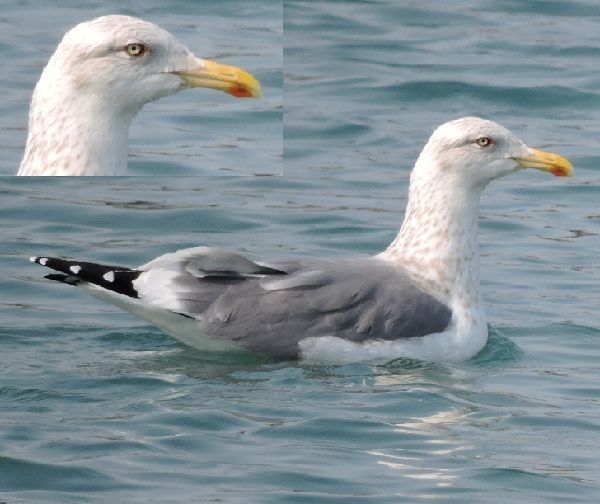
(98, 407)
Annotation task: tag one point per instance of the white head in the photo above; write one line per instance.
(123, 59)
(127, 62)
(438, 238)
(472, 152)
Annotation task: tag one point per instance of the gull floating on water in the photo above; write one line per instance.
(100, 76)
(419, 298)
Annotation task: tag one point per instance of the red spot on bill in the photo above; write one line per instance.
(240, 91)
(558, 171)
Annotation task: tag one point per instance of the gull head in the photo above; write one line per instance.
(471, 152)
(129, 62)
(101, 74)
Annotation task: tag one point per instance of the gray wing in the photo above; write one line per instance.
(355, 300)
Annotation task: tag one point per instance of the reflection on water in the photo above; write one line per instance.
(428, 444)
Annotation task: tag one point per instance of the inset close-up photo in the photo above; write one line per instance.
(89, 77)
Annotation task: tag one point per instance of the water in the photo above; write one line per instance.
(367, 81)
(97, 406)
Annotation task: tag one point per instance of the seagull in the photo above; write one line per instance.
(420, 298)
(100, 76)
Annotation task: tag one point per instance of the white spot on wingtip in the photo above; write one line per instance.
(75, 269)
(33, 259)
(109, 276)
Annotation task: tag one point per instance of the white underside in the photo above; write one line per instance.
(446, 346)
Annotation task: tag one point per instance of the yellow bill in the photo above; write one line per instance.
(547, 161)
(232, 80)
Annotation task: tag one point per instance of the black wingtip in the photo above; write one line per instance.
(113, 278)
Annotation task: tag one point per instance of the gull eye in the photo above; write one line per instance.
(484, 141)
(135, 49)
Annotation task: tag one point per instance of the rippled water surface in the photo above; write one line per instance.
(97, 406)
